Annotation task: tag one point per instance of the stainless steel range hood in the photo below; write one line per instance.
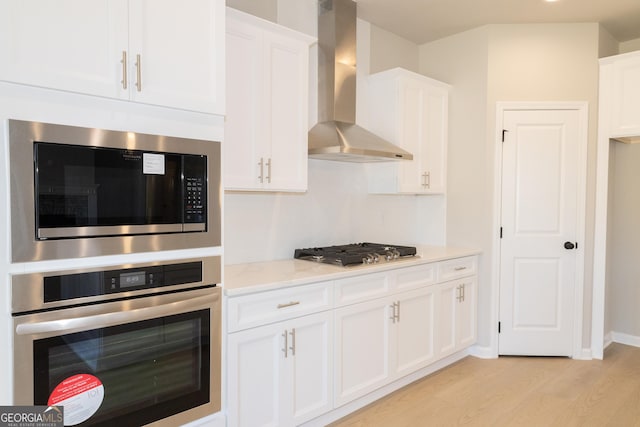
(336, 136)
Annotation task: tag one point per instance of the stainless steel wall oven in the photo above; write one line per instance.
(131, 345)
(87, 192)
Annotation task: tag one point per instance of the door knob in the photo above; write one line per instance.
(569, 245)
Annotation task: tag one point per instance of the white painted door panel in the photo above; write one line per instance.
(312, 360)
(539, 214)
(362, 333)
(180, 52)
(72, 45)
(257, 377)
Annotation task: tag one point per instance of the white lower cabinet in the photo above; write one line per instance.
(456, 315)
(280, 374)
(382, 340)
(299, 352)
(362, 334)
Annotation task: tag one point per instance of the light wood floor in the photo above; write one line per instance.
(517, 391)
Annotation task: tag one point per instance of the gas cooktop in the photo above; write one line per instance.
(355, 253)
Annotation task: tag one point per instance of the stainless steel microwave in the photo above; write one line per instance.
(79, 192)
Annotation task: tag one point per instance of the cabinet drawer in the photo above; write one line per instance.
(459, 267)
(361, 288)
(273, 306)
(415, 277)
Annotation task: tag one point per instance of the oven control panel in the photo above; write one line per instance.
(80, 285)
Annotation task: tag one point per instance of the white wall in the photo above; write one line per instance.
(335, 210)
(533, 62)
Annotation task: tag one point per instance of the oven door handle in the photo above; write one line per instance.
(113, 318)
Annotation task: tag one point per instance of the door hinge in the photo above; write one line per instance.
(499, 326)
(501, 232)
(503, 132)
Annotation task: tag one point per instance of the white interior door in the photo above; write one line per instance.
(540, 197)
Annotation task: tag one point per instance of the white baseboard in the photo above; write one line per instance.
(608, 340)
(627, 339)
(584, 354)
(482, 352)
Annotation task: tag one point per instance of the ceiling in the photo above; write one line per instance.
(422, 21)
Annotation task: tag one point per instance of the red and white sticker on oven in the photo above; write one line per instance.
(81, 395)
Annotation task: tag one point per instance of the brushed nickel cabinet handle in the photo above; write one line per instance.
(293, 341)
(460, 268)
(285, 335)
(138, 73)
(428, 183)
(261, 164)
(393, 315)
(123, 61)
(288, 304)
(269, 170)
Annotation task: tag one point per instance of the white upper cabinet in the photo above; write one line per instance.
(158, 52)
(267, 105)
(176, 54)
(620, 82)
(411, 111)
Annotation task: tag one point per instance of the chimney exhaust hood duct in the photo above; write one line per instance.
(336, 136)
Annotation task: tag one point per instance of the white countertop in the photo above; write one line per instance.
(241, 279)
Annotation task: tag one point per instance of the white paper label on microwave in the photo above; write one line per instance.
(81, 395)
(152, 164)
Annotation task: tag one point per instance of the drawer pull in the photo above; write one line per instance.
(460, 268)
(288, 304)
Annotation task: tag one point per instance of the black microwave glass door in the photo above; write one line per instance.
(80, 186)
(148, 370)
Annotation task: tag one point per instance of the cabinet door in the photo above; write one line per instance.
(447, 295)
(244, 144)
(433, 154)
(625, 108)
(257, 378)
(176, 53)
(286, 74)
(362, 348)
(414, 339)
(466, 329)
(312, 362)
(411, 111)
(72, 45)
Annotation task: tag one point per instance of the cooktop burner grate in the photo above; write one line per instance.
(355, 253)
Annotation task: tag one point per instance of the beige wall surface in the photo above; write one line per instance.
(532, 62)
(624, 210)
(265, 9)
(630, 46)
(390, 51)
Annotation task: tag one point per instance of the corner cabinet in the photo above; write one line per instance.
(620, 80)
(158, 52)
(267, 105)
(410, 110)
